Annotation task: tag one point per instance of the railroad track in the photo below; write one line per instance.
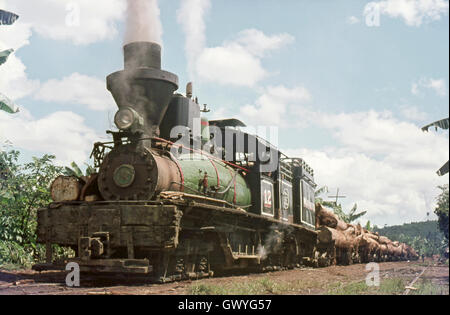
(410, 286)
(53, 283)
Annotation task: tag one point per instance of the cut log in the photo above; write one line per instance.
(341, 225)
(355, 240)
(359, 230)
(383, 250)
(90, 190)
(327, 235)
(384, 240)
(66, 188)
(325, 217)
(372, 236)
(391, 250)
(350, 232)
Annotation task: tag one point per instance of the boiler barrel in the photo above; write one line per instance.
(205, 175)
(136, 173)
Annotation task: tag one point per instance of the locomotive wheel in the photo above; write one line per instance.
(183, 264)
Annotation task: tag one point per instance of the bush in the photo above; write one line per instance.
(23, 190)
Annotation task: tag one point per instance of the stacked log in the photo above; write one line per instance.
(354, 244)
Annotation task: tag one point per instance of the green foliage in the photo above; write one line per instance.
(349, 217)
(424, 237)
(442, 210)
(428, 238)
(256, 287)
(23, 190)
(260, 286)
(393, 286)
(319, 192)
(352, 215)
(14, 254)
(427, 287)
(76, 171)
(356, 288)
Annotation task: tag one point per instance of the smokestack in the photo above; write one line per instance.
(142, 55)
(143, 87)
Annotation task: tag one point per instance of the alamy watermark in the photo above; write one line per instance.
(229, 144)
(373, 276)
(372, 13)
(73, 277)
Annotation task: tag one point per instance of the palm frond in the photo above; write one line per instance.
(443, 124)
(76, 169)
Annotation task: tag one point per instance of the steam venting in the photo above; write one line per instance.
(273, 241)
(142, 86)
(143, 23)
(191, 16)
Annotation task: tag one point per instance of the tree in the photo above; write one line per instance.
(442, 210)
(425, 236)
(23, 190)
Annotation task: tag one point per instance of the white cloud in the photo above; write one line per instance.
(63, 134)
(258, 44)
(15, 36)
(231, 65)
(413, 12)
(439, 86)
(14, 81)
(385, 165)
(235, 62)
(191, 16)
(79, 21)
(353, 20)
(238, 62)
(77, 89)
(413, 113)
(272, 107)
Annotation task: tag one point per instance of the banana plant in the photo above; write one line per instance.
(4, 55)
(76, 171)
(337, 208)
(443, 124)
(352, 216)
(7, 105)
(7, 18)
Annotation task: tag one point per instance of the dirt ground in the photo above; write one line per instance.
(308, 281)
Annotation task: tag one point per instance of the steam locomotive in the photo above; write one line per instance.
(177, 196)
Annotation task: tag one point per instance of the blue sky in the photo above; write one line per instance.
(347, 97)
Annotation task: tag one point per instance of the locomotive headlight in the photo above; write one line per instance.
(124, 118)
(127, 118)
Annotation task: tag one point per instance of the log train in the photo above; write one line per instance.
(177, 196)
